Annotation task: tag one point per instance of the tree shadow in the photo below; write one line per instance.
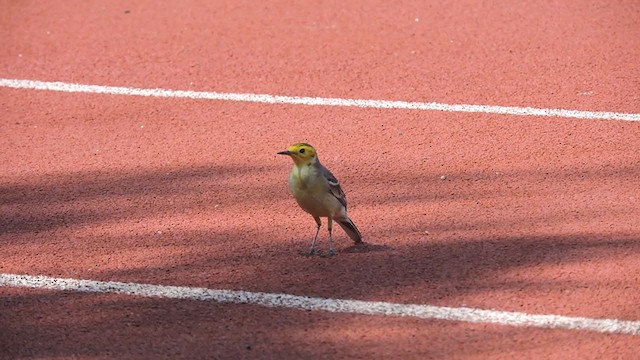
(423, 271)
(98, 325)
(397, 264)
(125, 326)
(57, 201)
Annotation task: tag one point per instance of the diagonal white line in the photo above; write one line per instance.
(317, 101)
(324, 304)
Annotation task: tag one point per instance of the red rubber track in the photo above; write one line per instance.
(537, 215)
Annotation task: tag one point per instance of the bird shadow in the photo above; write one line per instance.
(366, 247)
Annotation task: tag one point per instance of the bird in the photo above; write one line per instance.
(318, 192)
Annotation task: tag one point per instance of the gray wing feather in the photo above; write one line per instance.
(334, 186)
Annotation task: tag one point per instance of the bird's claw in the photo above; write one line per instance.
(313, 252)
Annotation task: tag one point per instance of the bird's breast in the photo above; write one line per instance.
(301, 177)
(305, 182)
(310, 189)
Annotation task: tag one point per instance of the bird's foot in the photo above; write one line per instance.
(331, 253)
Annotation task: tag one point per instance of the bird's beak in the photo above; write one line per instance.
(286, 152)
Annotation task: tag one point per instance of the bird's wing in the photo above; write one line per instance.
(334, 186)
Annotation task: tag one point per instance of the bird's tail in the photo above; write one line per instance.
(350, 228)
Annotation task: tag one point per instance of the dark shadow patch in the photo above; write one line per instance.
(366, 247)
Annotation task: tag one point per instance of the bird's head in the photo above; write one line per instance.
(301, 153)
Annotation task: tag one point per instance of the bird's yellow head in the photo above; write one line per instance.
(301, 153)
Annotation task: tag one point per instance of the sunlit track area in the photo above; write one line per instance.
(296, 100)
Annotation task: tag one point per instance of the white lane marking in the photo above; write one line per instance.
(317, 101)
(323, 304)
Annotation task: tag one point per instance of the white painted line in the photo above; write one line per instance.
(317, 101)
(331, 305)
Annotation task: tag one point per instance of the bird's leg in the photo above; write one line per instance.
(312, 250)
(330, 226)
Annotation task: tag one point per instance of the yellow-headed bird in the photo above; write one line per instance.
(318, 192)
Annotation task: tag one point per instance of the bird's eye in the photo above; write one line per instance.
(301, 151)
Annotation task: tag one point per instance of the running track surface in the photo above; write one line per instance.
(528, 214)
